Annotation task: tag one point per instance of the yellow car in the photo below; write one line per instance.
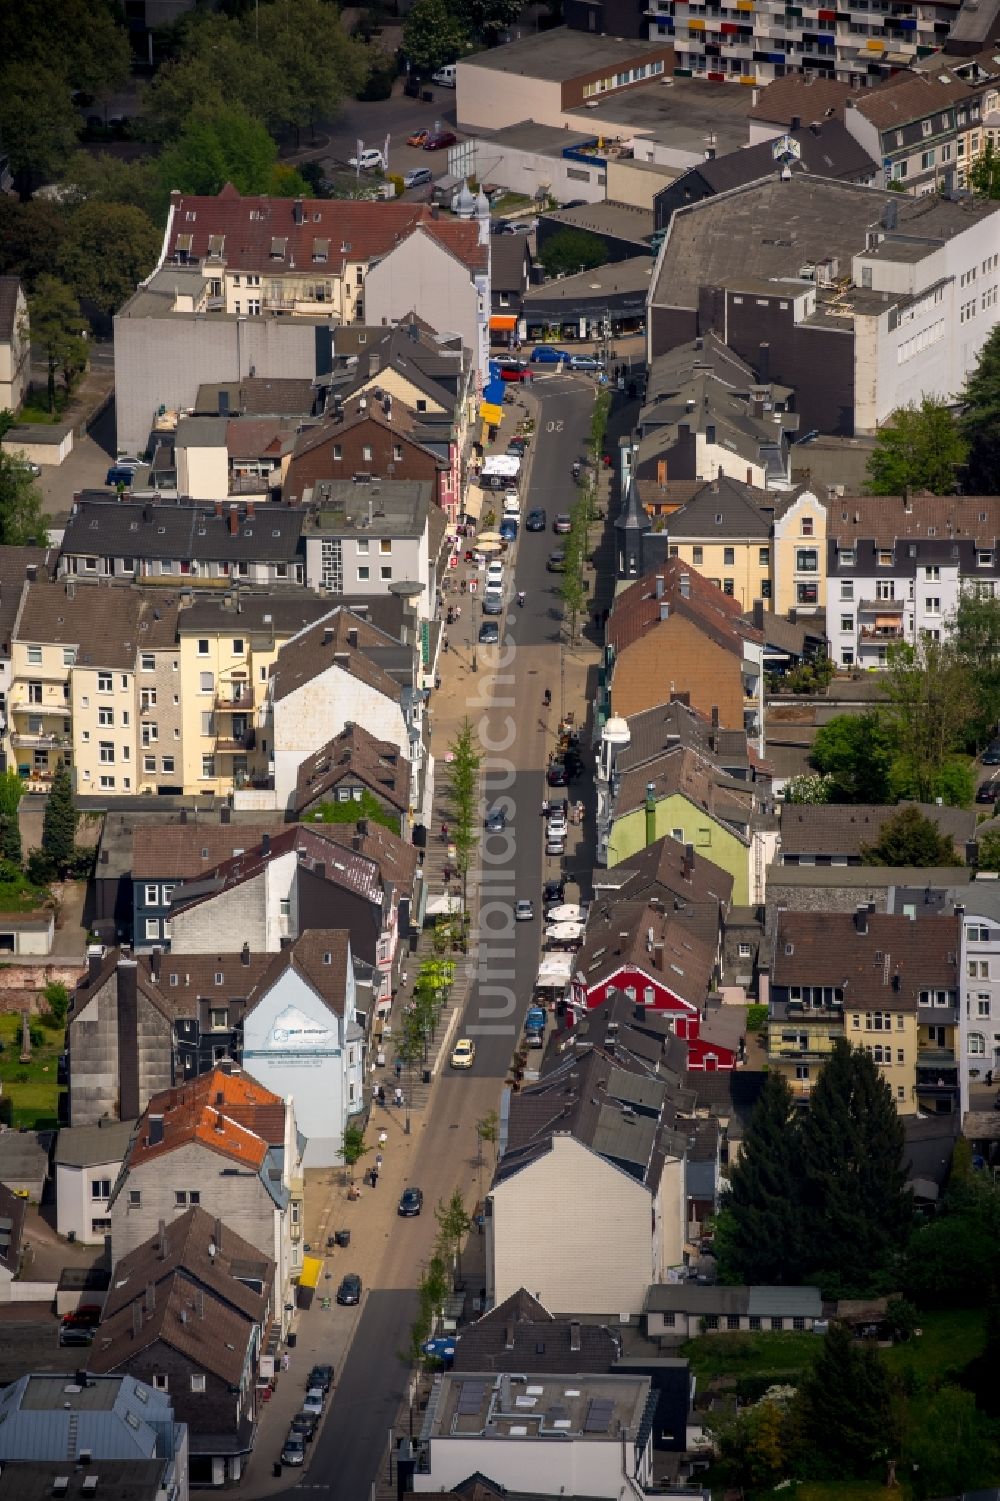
(465, 1052)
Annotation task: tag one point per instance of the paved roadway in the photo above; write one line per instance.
(373, 1382)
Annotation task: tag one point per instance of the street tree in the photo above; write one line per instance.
(572, 250)
(975, 635)
(31, 235)
(463, 790)
(11, 792)
(917, 448)
(855, 1207)
(433, 36)
(220, 143)
(57, 328)
(844, 1409)
(110, 247)
(758, 1232)
(488, 1133)
(22, 523)
(59, 823)
(979, 422)
(909, 838)
(572, 587)
(39, 126)
(454, 1224)
(313, 65)
(353, 1147)
(855, 752)
(930, 703)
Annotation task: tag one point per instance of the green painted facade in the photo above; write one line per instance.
(679, 817)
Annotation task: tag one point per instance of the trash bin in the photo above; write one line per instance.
(277, 1469)
(426, 1076)
(343, 1238)
(292, 1339)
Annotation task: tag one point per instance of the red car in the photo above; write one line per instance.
(87, 1316)
(437, 140)
(515, 372)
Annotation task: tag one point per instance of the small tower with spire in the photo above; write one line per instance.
(631, 525)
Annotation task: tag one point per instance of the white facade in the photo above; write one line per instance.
(82, 1198)
(979, 1011)
(253, 909)
(421, 273)
(356, 560)
(295, 1045)
(542, 1231)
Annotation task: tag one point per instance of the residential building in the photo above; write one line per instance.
(370, 439)
(785, 104)
(252, 544)
(510, 278)
(685, 1310)
(917, 127)
(484, 1426)
(725, 532)
(347, 767)
(677, 633)
(367, 535)
(18, 567)
(13, 1210)
(545, 77)
(225, 1142)
(224, 456)
(188, 1314)
(193, 1013)
(362, 878)
(520, 1334)
(843, 888)
(799, 563)
(15, 343)
(97, 1427)
(898, 566)
(344, 670)
(881, 981)
(588, 1133)
(76, 666)
(228, 648)
(443, 268)
(861, 301)
(607, 300)
(670, 872)
(87, 1161)
(837, 833)
(824, 147)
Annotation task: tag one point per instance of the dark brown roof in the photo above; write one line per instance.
(185, 1247)
(664, 867)
(102, 621)
(884, 967)
(14, 565)
(355, 754)
(311, 843)
(885, 519)
(682, 955)
(637, 609)
(195, 1322)
(909, 98)
(396, 860)
(187, 850)
(807, 98)
(519, 1334)
(340, 635)
(684, 771)
(842, 828)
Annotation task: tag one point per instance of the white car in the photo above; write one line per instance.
(511, 503)
(494, 575)
(370, 160)
(557, 826)
(314, 1401)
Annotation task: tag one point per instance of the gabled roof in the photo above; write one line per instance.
(665, 867)
(221, 533)
(885, 519)
(355, 754)
(339, 640)
(519, 1334)
(670, 947)
(826, 148)
(807, 98)
(229, 1113)
(639, 608)
(108, 624)
(881, 961)
(668, 726)
(86, 1146)
(185, 851)
(396, 860)
(315, 851)
(207, 1253)
(687, 773)
(724, 507)
(842, 828)
(909, 98)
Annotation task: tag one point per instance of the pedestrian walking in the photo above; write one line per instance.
(444, 833)
(286, 1361)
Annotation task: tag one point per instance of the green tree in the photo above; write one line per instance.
(38, 123)
(753, 1447)
(98, 177)
(454, 1224)
(917, 448)
(216, 64)
(57, 1000)
(975, 635)
(433, 36)
(983, 175)
(488, 1133)
(110, 247)
(11, 792)
(57, 328)
(845, 1412)
(59, 823)
(856, 1210)
(989, 850)
(808, 789)
(353, 1147)
(85, 39)
(855, 751)
(489, 18)
(313, 65)
(31, 235)
(22, 523)
(571, 250)
(950, 1446)
(572, 588)
(908, 838)
(463, 789)
(219, 144)
(758, 1234)
(980, 419)
(930, 706)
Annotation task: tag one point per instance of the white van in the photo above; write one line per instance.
(444, 77)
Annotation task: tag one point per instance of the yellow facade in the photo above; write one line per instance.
(799, 556)
(798, 1047)
(739, 567)
(39, 710)
(890, 1038)
(104, 731)
(317, 290)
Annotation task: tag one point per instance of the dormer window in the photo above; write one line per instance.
(278, 248)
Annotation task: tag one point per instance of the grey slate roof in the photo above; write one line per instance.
(519, 1334)
(762, 1302)
(842, 828)
(111, 528)
(84, 1146)
(828, 150)
(725, 507)
(42, 1418)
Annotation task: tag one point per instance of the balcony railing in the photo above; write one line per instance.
(41, 742)
(19, 705)
(228, 743)
(881, 633)
(230, 704)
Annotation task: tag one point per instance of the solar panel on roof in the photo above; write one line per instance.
(471, 1398)
(598, 1419)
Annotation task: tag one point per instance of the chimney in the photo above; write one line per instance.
(95, 958)
(218, 508)
(352, 635)
(234, 521)
(661, 472)
(128, 1040)
(715, 716)
(265, 844)
(251, 512)
(574, 1336)
(861, 918)
(796, 122)
(320, 870)
(650, 812)
(161, 1244)
(245, 954)
(155, 1136)
(226, 814)
(150, 1298)
(154, 964)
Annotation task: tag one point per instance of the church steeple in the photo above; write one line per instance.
(631, 525)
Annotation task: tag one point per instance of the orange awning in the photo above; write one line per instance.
(503, 323)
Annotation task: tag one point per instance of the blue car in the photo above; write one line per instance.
(508, 528)
(546, 354)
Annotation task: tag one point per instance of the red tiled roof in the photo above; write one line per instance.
(261, 234)
(686, 591)
(230, 1113)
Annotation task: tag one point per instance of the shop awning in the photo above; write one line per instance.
(472, 503)
(312, 1266)
(503, 323)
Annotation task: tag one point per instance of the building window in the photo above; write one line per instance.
(135, 1198)
(104, 683)
(798, 1322)
(105, 716)
(160, 1381)
(697, 556)
(754, 1323)
(151, 895)
(100, 1188)
(977, 1044)
(180, 1198)
(219, 1018)
(805, 560)
(807, 526)
(366, 452)
(847, 588)
(744, 951)
(208, 766)
(152, 927)
(147, 662)
(386, 572)
(149, 763)
(197, 1383)
(207, 682)
(69, 656)
(729, 557)
(107, 752)
(34, 656)
(764, 556)
(806, 594)
(285, 906)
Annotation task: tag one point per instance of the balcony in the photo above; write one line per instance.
(234, 743)
(41, 742)
(239, 704)
(21, 705)
(880, 633)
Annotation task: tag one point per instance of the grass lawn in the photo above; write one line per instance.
(950, 1339)
(35, 1100)
(21, 896)
(770, 1358)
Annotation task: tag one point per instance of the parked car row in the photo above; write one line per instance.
(303, 1426)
